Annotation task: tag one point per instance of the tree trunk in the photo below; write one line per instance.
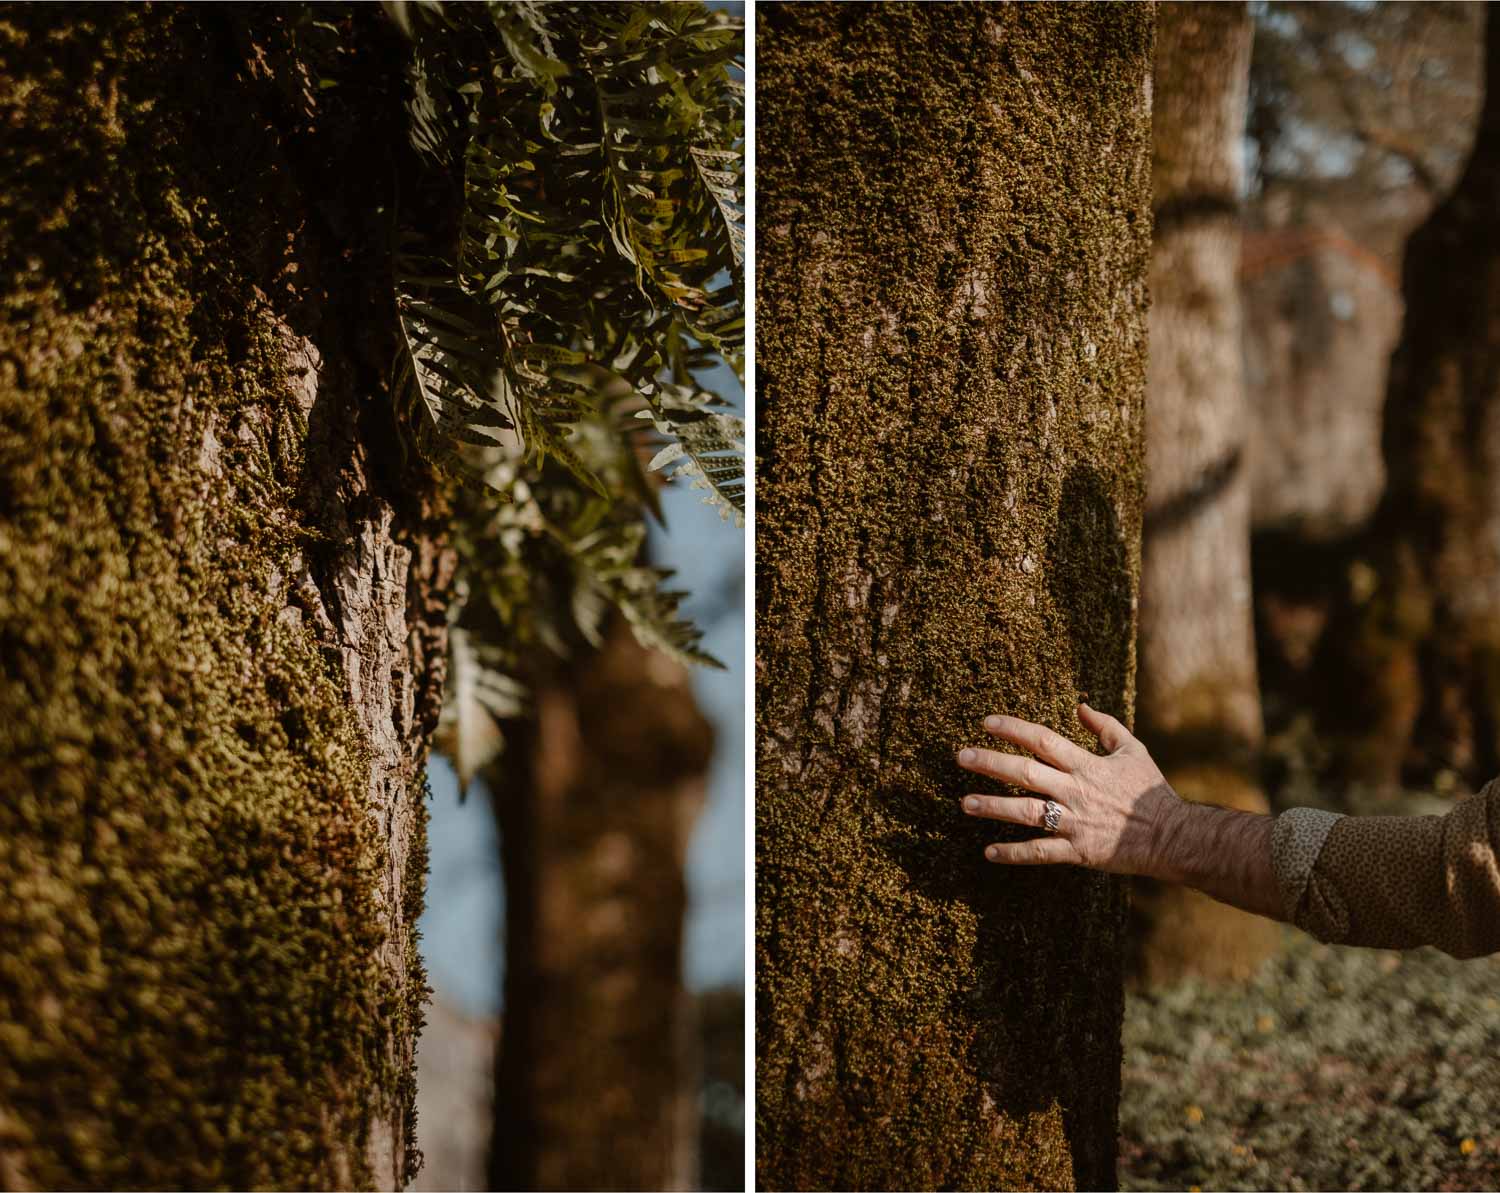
(954, 214)
(721, 1138)
(1414, 657)
(219, 614)
(1199, 706)
(596, 1076)
(1322, 316)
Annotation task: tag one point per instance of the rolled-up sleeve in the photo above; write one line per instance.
(1394, 882)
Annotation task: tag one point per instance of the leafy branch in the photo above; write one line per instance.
(553, 329)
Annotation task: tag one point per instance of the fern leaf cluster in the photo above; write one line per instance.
(556, 333)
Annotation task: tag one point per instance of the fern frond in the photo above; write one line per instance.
(481, 693)
(590, 268)
(442, 363)
(609, 573)
(671, 141)
(722, 174)
(405, 13)
(710, 454)
(468, 382)
(523, 29)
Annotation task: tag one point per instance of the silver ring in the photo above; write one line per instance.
(1052, 816)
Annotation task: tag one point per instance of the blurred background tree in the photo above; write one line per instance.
(470, 949)
(596, 1083)
(1199, 703)
(1362, 116)
(1411, 664)
(1369, 284)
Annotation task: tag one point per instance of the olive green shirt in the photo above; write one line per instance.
(1394, 882)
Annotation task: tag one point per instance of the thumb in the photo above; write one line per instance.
(1111, 734)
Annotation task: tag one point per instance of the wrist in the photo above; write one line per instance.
(1170, 824)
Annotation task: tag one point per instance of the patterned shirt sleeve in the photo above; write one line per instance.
(1395, 882)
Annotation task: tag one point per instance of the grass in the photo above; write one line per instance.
(1334, 1068)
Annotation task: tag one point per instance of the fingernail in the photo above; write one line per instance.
(992, 722)
(971, 804)
(992, 853)
(966, 756)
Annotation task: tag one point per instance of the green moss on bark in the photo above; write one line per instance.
(954, 211)
(191, 987)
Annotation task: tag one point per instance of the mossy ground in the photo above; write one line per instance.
(1333, 1068)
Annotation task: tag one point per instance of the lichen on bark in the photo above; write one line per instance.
(953, 228)
(221, 643)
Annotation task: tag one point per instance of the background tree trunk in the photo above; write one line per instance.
(721, 1146)
(220, 612)
(1414, 656)
(597, 1073)
(954, 216)
(1321, 289)
(1199, 708)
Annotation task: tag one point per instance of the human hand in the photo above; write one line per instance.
(1115, 807)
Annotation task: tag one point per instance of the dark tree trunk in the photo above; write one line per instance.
(721, 1148)
(1414, 655)
(1199, 708)
(954, 233)
(220, 620)
(596, 1077)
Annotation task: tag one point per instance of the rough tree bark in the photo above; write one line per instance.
(219, 619)
(1413, 657)
(954, 232)
(1199, 707)
(597, 1068)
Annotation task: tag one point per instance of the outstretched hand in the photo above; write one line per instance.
(1114, 807)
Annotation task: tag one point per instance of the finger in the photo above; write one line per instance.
(1111, 734)
(1039, 740)
(1020, 772)
(1044, 851)
(1012, 810)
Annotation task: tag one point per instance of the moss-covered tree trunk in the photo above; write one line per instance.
(219, 619)
(596, 1078)
(953, 236)
(1199, 707)
(1414, 657)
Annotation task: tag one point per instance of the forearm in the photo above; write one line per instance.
(1223, 853)
(1379, 881)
